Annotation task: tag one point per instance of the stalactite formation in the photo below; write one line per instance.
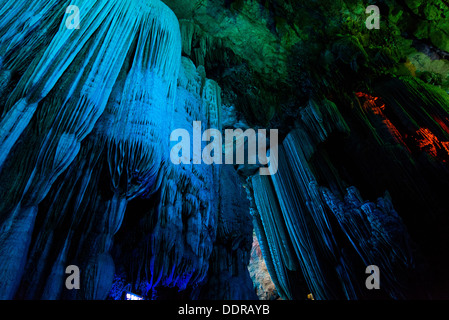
(87, 178)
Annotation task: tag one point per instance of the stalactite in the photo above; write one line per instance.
(134, 134)
(308, 227)
(279, 243)
(373, 232)
(68, 206)
(228, 277)
(187, 34)
(55, 282)
(179, 239)
(377, 233)
(295, 186)
(212, 103)
(86, 177)
(83, 99)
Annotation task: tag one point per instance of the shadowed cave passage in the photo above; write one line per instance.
(86, 177)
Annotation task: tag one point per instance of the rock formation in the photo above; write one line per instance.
(86, 176)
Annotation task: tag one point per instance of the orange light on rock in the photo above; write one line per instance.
(442, 124)
(429, 142)
(425, 139)
(377, 107)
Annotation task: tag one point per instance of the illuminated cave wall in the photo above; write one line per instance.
(85, 171)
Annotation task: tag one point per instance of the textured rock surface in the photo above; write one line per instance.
(86, 178)
(133, 91)
(265, 288)
(229, 278)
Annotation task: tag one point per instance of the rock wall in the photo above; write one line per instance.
(265, 288)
